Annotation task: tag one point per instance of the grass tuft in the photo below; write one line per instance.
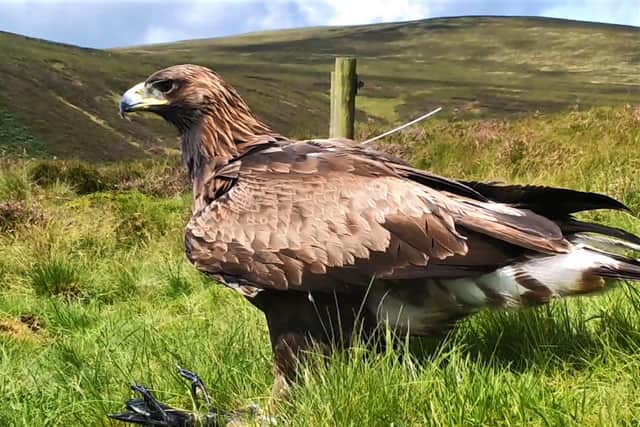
(82, 177)
(15, 215)
(57, 277)
(177, 283)
(14, 184)
(16, 140)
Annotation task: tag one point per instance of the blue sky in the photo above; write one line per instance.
(103, 23)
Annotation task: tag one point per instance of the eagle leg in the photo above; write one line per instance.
(147, 411)
(300, 323)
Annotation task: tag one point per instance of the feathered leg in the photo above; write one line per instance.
(300, 322)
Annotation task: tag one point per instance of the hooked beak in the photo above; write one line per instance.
(140, 98)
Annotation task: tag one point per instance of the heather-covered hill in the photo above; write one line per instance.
(61, 100)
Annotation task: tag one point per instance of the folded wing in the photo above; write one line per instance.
(304, 216)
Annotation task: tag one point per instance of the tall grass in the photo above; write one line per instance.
(99, 295)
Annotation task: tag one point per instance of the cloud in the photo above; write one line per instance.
(155, 35)
(118, 23)
(104, 23)
(358, 12)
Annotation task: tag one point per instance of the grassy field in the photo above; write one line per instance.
(96, 294)
(66, 97)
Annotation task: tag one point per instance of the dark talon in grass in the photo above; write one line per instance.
(147, 411)
(196, 384)
(149, 402)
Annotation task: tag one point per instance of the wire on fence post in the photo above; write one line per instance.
(406, 125)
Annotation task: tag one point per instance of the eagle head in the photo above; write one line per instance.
(182, 95)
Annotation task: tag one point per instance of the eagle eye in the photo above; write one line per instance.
(164, 86)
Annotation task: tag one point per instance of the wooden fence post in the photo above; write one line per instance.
(344, 84)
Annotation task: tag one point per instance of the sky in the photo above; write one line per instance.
(113, 23)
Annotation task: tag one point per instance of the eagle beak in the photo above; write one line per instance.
(140, 98)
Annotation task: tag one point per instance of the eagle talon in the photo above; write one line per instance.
(148, 400)
(147, 411)
(196, 384)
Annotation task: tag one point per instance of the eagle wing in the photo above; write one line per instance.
(312, 217)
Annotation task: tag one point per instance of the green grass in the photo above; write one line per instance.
(98, 294)
(473, 66)
(15, 139)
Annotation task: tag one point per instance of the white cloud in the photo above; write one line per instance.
(161, 35)
(369, 11)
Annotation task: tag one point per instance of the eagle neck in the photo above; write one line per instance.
(213, 143)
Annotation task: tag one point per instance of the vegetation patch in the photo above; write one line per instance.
(161, 178)
(141, 218)
(177, 283)
(16, 214)
(16, 140)
(57, 277)
(383, 108)
(82, 177)
(20, 331)
(14, 183)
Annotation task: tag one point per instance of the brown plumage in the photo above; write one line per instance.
(327, 232)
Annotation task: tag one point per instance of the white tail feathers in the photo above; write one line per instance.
(539, 279)
(436, 304)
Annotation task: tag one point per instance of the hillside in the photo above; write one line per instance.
(60, 100)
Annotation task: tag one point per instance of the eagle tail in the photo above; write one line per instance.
(537, 280)
(593, 264)
(621, 266)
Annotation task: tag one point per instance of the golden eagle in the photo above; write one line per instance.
(329, 238)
